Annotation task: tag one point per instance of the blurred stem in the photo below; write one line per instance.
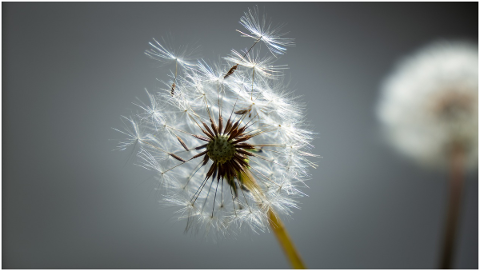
(453, 211)
(275, 223)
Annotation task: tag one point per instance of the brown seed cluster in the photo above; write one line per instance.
(228, 150)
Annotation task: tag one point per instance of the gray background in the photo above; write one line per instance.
(71, 69)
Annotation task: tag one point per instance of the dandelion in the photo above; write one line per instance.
(431, 102)
(230, 146)
(429, 109)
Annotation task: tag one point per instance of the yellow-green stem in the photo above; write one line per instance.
(284, 239)
(275, 222)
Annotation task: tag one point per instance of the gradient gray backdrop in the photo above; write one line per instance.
(71, 69)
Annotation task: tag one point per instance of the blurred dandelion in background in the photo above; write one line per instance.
(429, 110)
(229, 144)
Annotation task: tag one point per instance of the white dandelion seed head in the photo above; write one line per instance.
(227, 146)
(431, 102)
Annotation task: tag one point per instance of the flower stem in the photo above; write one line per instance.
(284, 239)
(274, 220)
(453, 211)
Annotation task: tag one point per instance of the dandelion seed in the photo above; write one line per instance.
(133, 132)
(161, 53)
(231, 71)
(259, 65)
(262, 30)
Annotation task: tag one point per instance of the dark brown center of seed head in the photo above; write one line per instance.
(453, 105)
(220, 150)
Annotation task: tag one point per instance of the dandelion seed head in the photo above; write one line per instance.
(226, 145)
(431, 102)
